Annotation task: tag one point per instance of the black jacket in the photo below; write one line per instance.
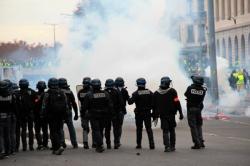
(26, 102)
(143, 99)
(38, 104)
(117, 99)
(125, 97)
(81, 95)
(195, 96)
(71, 100)
(166, 103)
(99, 104)
(7, 103)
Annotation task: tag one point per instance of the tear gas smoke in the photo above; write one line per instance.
(124, 38)
(230, 100)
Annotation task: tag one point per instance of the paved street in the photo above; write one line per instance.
(228, 143)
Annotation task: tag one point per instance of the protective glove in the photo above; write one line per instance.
(181, 117)
(155, 121)
(76, 117)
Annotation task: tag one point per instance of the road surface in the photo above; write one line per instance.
(228, 143)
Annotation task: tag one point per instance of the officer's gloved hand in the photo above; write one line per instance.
(181, 116)
(76, 117)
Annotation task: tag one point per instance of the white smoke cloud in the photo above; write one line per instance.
(124, 38)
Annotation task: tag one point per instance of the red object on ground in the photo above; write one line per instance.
(221, 116)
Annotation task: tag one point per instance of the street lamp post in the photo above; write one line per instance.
(212, 53)
(54, 33)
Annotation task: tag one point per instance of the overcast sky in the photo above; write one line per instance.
(24, 19)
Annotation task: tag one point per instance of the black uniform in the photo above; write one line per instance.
(143, 99)
(26, 100)
(55, 107)
(195, 95)
(7, 105)
(117, 118)
(166, 104)
(41, 122)
(99, 106)
(83, 113)
(68, 120)
(125, 97)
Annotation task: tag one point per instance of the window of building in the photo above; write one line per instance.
(217, 10)
(230, 59)
(223, 48)
(242, 7)
(218, 48)
(236, 51)
(223, 9)
(201, 37)
(248, 6)
(229, 10)
(235, 8)
(190, 30)
(243, 51)
(201, 5)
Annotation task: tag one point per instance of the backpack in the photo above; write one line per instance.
(57, 102)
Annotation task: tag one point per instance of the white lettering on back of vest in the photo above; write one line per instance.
(143, 92)
(99, 95)
(7, 98)
(197, 92)
(82, 95)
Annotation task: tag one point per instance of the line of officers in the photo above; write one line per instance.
(21, 107)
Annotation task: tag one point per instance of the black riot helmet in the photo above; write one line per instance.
(15, 86)
(119, 82)
(41, 85)
(23, 84)
(109, 83)
(63, 83)
(53, 83)
(9, 83)
(96, 84)
(4, 86)
(198, 80)
(141, 82)
(165, 82)
(86, 81)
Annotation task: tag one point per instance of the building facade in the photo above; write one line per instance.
(232, 26)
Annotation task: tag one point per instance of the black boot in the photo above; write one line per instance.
(152, 146)
(138, 147)
(196, 146)
(99, 149)
(85, 145)
(167, 149)
(108, 146)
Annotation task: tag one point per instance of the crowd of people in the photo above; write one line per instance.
(26, 55)
(239, 80)
(44, 111)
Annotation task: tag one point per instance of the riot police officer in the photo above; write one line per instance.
(143, 99)
(83, 113)
(13, 116)
(7, 106)
(41, 122)
(63, 85)
(26, 100)
(55, 107)
(120, 86)
(195, 94)
(99, 106)
(166, 104)
(115, 121)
